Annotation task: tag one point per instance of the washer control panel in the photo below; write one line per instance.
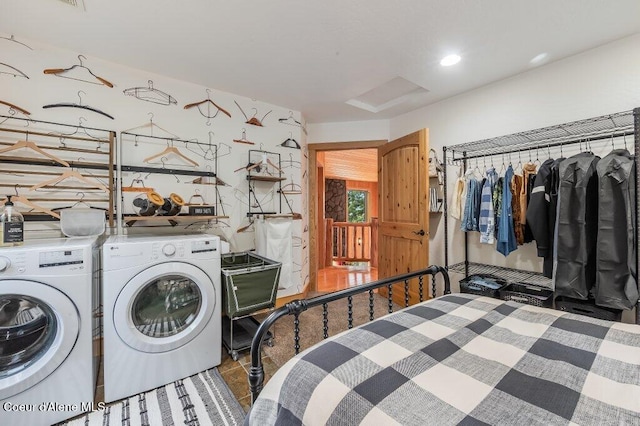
(61, 258)
(204, 246)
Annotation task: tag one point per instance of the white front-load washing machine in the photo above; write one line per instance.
(161, 301)
(47, 365)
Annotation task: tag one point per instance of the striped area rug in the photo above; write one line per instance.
(199, 400)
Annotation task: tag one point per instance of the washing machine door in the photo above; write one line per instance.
(164, 307)
(39, 327)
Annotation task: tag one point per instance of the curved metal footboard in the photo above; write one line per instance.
(296, 307)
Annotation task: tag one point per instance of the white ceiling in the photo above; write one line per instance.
(315, 56)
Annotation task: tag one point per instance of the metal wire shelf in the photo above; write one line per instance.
(611, 125)
(509, 274)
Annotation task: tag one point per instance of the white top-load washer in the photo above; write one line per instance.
(47, 365)
(162, 319)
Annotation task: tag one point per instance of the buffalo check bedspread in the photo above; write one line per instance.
(462, 359)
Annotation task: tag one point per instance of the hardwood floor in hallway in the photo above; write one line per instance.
(340, 277)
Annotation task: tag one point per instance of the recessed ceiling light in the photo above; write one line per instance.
(539, 59)
(449, 60)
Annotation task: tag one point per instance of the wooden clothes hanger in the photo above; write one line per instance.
(60, 71)
(70, 174)
(151, 125)
(208, 102)
(171, 150)
(15, 107)
(72, 105)
(26, 202)
(246, 227)
(243, 139)
(253, 120)
(33, 147)
(132, 188)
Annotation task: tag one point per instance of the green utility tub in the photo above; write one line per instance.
(250, 284)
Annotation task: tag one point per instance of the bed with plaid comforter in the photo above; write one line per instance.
(462, 359)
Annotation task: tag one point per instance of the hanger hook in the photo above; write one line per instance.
(15, 188)
(208, 93)
(150, 83)
(151, 114)
(80, 57)
(81, 196)
(255, 112)
(261, 149)
(80, 96)
(80, 121)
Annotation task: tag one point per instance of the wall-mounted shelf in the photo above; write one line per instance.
(265, 178)
(173, 220)
(166, 171)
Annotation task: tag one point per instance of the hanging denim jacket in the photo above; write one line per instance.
(487, 217)
(469, 218)
(616, 280)
(506, 235)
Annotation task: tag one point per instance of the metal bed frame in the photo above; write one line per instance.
(296, 307)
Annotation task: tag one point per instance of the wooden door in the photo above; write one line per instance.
(403, 208)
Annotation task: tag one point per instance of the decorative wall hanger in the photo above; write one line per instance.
(290, 142)
(81, 129)
(150, 94)
(253, 120)
(79, 76)
(151, 126)
(243, 139)
(170, 149)
(8, 69)
(205, 108)
(72, 105)
(70, 174)
(291, 163)
(26, 202)
(290, 121)
(15, 108)
(26, 143)
(16, 41)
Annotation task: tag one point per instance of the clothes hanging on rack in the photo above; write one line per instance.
(506, 235)
(457, 200)
(516, 187)
(497, 203)
(487, 216)
(528, 175)
(541, 213)
(469, 219)
(576, 227)
(616, 279)
(529, 183)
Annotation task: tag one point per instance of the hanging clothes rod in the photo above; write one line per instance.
(542, 145)
(53, 123)
(583, 130)
(164, 138)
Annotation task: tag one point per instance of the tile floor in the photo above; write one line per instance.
(236, 373)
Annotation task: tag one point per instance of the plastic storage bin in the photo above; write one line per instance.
(588, 308)
(525, 293)
(483, 285)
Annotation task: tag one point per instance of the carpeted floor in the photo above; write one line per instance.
(199, 400)
(311, 326)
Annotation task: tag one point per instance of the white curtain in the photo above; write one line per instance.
(274, 240)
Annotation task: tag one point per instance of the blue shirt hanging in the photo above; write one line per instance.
(506, 233)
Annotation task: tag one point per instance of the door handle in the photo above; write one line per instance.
(420, 232)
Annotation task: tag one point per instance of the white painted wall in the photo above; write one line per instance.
(600, 81)
(348, 131)
(40, 89)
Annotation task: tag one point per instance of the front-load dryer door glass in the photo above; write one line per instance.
(38, 329)
(164, 307)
